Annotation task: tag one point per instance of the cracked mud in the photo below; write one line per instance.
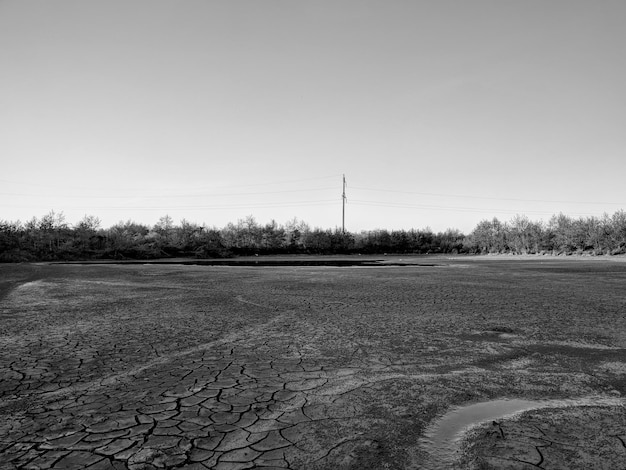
(164, 366)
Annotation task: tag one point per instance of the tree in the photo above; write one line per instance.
(52, 227)
(519, 234)
(422, 241)
(164, 228)
(129, 239)
(295, 235)
(451, 241)
(489, 236)
(618, 232)
(562, 230)
(272, 237)
(85, 231)
(318, 241)
(188, 235)
(10, 241)
(399, 242)
(212, 244)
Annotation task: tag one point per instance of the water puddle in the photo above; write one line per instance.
(264, 262)
(442, 438)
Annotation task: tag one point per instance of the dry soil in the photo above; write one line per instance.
(153, 366)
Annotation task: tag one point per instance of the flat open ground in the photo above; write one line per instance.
(144, 366)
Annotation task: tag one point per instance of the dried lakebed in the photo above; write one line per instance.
(170, 366)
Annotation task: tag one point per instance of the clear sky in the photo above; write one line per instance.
(440, 113)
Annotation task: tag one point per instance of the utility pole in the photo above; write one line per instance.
(343, 212)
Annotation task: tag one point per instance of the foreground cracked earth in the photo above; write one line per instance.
(228, 415)
(195, 368)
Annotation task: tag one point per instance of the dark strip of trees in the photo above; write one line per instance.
(52, 238)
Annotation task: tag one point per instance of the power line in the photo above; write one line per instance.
(84, 188)
(286, 182)
(82, 196)
(223, 191)
(465, 196)
(198, 207)
(359, 202)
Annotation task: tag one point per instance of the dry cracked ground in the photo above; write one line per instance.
(195, 367)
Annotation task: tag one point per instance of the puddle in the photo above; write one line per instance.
(442, 438)
(261, 262)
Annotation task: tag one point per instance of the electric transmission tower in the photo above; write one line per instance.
(343, 207)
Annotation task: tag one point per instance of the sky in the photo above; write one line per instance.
(440, 114)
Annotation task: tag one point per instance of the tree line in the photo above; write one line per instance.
(560, 235)
(52, 238)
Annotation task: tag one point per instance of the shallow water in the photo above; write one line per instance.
(441, 439)
(263, 262)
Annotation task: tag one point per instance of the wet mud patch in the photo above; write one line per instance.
(572, 437)
(511, 433)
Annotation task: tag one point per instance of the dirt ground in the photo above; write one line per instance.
(314, 367)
